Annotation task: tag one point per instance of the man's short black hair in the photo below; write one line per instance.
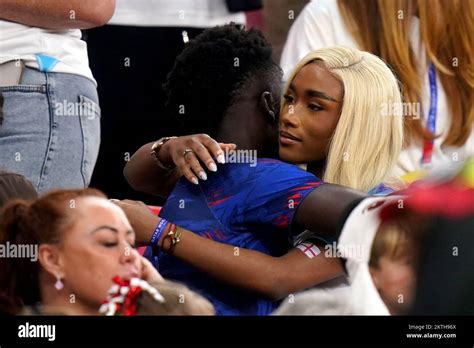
(211, 70)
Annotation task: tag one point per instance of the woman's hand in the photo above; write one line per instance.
(190, 151)
(149, 273)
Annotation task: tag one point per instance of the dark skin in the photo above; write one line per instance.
(249, 123)
(309, 117)
(274, 277)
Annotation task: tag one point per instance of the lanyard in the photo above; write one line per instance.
(431, 122)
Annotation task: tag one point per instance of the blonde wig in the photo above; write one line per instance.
(368, 138)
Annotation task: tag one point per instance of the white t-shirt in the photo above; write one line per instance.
(18, 41)
(320, 24)
(359, 296)
(174, 13)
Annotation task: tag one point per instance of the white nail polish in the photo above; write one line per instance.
(195, 181)
(212, 167)
(202, 176)
(221, 159)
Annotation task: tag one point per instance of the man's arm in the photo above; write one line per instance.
(325, 209)
(58, 14)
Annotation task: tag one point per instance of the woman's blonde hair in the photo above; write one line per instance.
(383, 28)
(369, 134)
(391, 241)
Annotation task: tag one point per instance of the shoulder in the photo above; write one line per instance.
(323, 21)
(319, 25)
(317, 16)
(268, 180)
(272, 170)
(260, 167)
(321, 8)
(323, 15)
(267, 163)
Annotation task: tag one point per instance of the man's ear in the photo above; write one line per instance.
(50, 259)
(267, 103)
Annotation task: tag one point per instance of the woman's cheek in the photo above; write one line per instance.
(103, 276)
(102, 265)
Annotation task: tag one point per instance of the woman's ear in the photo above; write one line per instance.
(267, 103)
(50, 259)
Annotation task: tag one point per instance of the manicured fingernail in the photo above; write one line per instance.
(221, 159)
(202, 176)
(212, 167)
(195, 181)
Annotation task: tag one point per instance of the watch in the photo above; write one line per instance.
(155, 149)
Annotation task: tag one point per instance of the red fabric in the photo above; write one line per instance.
(156, 210)
(255, 19)
(451, 199)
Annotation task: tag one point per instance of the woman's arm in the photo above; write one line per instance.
(58, 14)
(274, 277)
(143, 173)
(325, 209)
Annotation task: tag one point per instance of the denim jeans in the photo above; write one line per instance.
(51, 129)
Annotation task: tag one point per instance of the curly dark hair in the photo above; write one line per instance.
(212, 69)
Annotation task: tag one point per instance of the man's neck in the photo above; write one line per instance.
(317, 168)
(244, 125)
(246, 143)
(244, 139)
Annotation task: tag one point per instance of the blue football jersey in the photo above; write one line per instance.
(244, 206)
